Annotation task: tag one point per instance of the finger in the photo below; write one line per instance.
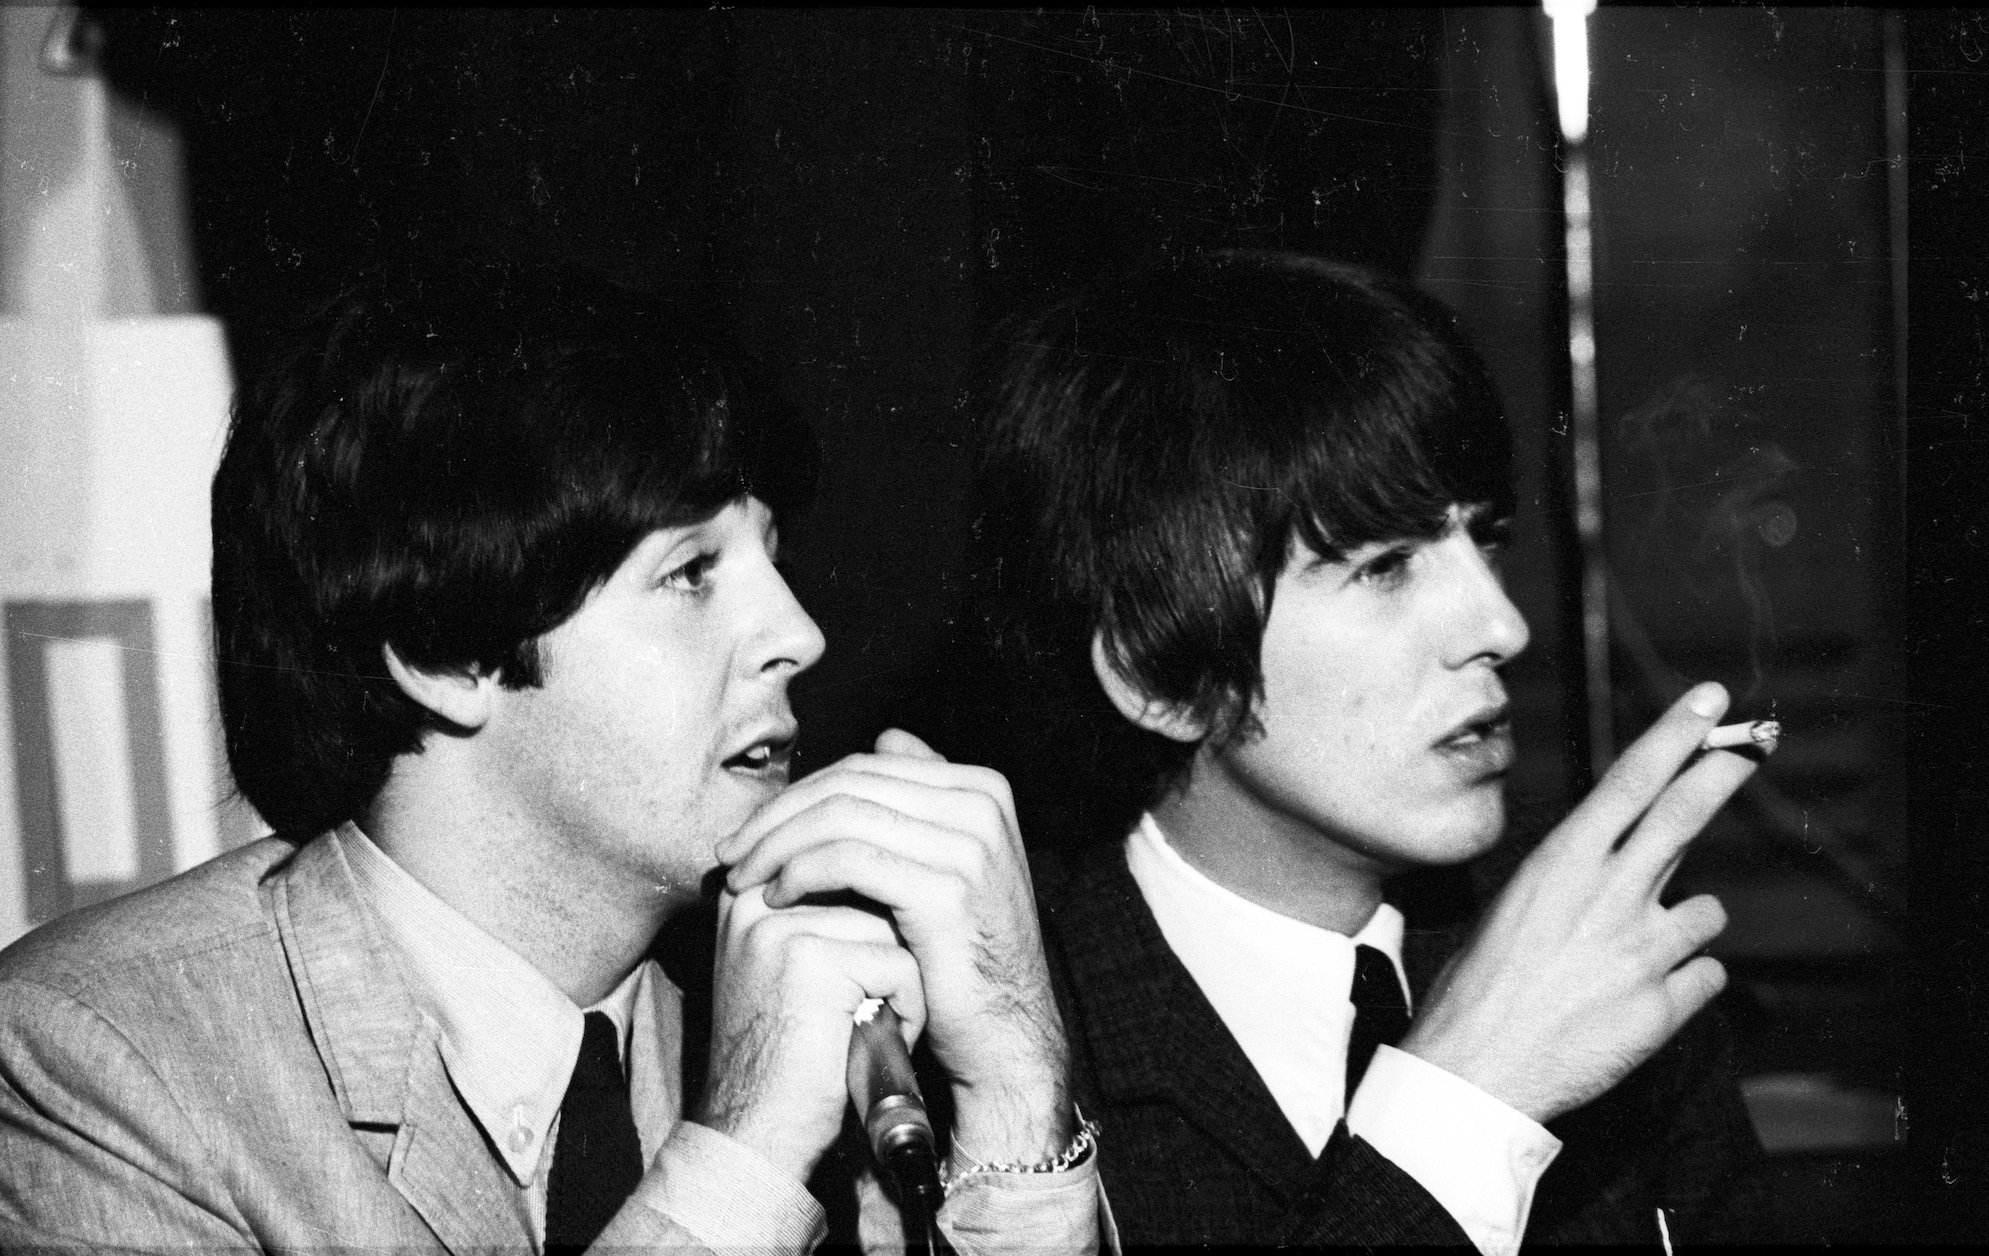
(1649, 763)
(1693, 923)
(898, 741)
(738, 910)
(824, 941)
(943, 805)
(1654, 851)
(852, 818)
(765, 923)
(846, 973)
(1692, 986)
(902, 886)
(939, 773)
(906, 998)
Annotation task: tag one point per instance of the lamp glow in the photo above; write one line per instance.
(1570, 19)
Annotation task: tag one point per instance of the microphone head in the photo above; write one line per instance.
(895, 1122)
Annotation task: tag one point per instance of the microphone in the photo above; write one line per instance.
(886, 1094)
(883, 1086)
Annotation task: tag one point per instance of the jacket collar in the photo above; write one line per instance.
(382, 1056)
(1151, 1034)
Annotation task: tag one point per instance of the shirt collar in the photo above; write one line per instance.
(1256, 968)
(1186, 902)
(509, 1036)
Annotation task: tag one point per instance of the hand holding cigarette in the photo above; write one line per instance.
(1579, 973)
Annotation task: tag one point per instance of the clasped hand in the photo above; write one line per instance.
(954, 947)
(1578, 973)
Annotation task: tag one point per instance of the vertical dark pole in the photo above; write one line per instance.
(1571, 91)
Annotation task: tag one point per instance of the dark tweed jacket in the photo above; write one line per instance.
(1195, 1149)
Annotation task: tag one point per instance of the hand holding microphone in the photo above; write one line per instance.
(786, 985)
(936, 846)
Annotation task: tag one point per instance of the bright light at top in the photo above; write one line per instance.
(1571, 64)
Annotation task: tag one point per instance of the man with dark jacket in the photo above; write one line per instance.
(1262, 498)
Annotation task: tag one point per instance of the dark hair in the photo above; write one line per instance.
(452, 461)
(1156, 443)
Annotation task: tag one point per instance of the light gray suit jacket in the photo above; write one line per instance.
(231, 1060)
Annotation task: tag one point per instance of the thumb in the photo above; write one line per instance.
(898, 741)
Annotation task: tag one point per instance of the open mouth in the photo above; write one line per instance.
(767, 755)
(1486, 725)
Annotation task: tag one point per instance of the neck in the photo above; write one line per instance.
(1272, 859)
(584, 930)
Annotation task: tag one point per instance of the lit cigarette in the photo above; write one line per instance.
(1752, 733)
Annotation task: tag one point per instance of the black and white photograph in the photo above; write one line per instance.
(993, 629)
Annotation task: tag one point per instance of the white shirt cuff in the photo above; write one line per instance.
(728, 1195)
(1477, 1157)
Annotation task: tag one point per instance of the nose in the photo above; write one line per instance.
(790, 640)
(1486, 626)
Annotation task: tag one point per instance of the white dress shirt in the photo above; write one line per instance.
(1476, 1156)
(510, 1037)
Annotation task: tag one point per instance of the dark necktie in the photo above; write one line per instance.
(1381, 1015)
(597, 1159)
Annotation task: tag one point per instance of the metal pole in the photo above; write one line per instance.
(1571, 82)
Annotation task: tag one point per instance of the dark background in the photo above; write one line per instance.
(863, 196)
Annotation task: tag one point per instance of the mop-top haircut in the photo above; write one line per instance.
(451, 462)
(1158, 443)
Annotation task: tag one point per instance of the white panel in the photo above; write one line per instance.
(92, 759)
(191, 726)
(13, 886)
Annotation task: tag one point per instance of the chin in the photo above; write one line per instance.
(1455, 839)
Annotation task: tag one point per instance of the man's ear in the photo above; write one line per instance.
(462, 699)
(1169, 719)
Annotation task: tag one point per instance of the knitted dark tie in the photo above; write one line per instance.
(1381, 1015)
(597, 1159)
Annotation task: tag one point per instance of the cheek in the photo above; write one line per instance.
(1327, 699)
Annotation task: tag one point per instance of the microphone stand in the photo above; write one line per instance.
(886, 1094)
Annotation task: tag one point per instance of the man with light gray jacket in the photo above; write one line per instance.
(503, 657)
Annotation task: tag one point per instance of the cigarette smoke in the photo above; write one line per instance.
(1711, 513)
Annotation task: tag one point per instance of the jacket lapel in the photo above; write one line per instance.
(1151, 1033)
(383, 1060)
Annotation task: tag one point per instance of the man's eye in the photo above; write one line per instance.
(693, 575)
(1386, 569)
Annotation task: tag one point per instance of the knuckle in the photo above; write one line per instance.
(976, 863)
(993, 783)
(806, 953)
(956, 891)
(987, 814)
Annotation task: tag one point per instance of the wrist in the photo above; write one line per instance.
(1015, 1121)
(774, 1141)
(1076, 1151)
(1489, 1075)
